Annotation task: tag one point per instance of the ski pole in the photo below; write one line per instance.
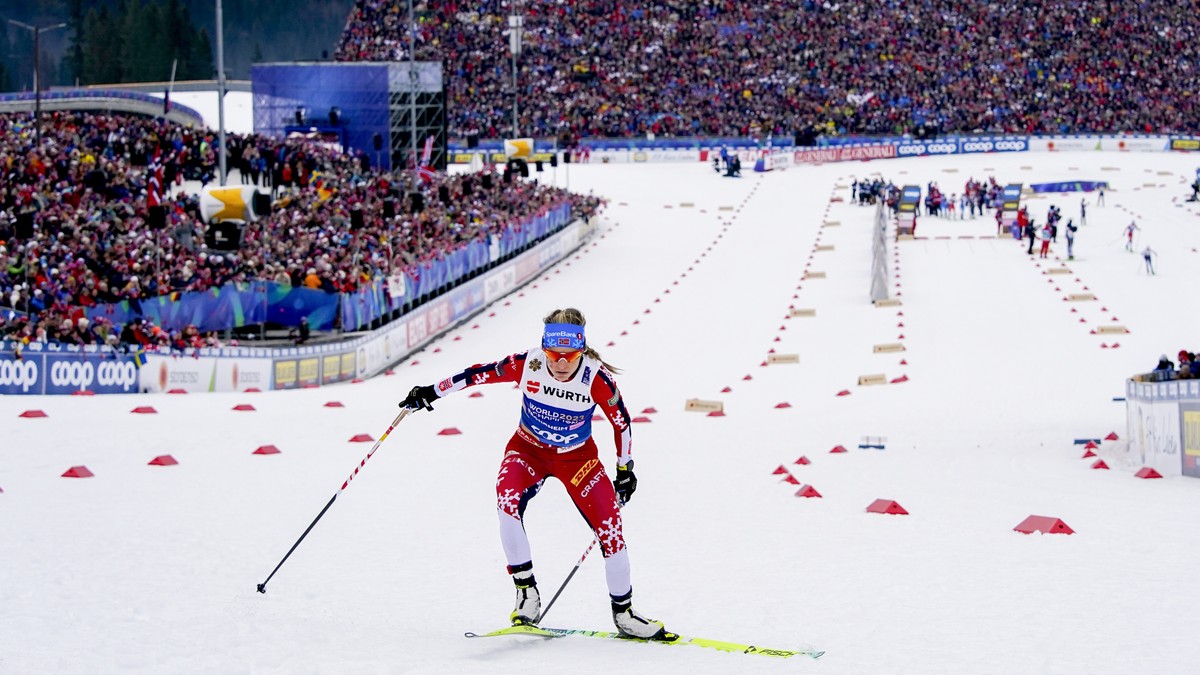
(568, 579)
(262, 588)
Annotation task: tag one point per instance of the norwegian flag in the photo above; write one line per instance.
(426, 174)
(427, 151)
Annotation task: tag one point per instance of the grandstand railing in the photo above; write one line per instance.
(235, 305)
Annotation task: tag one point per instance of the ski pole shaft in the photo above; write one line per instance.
(568, 579)
(262, 588)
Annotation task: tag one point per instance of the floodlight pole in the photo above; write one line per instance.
(37, 71)
(221, 92)
(516, 28)
(412, 92)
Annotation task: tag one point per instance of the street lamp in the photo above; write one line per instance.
(37, 85)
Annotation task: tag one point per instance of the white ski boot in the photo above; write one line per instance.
(631, 624)
(529, 601)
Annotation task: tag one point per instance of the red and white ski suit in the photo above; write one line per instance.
(554, 438)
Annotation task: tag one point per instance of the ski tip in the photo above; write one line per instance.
(471, 635)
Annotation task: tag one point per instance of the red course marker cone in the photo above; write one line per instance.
(334, 404)
(802, 460)
(838, 449)
(144, 410)
(785, 404)
(449, 431)
(33, 414)
(266, 450)
(781, 470)
(361, 438)
(790, 479)
(163, 460)
(1099, 464)
(844, 392)
(716, 413)
(1112, 436)
(78, 472)
(244, 407)
(1087, 453)
(807, 491)
(1091, 445)
(886, 506)
(1043, 524)
(1147, 472)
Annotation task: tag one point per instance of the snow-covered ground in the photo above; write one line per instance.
(149, 569)
(239, 108)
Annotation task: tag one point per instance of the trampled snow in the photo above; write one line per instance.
(152, 569)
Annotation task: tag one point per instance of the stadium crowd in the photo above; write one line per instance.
(75, 228)
(719, 67)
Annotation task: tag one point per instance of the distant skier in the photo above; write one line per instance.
(562, 382)
(1083, 211)
(1047, 235)
(1100, 196)
(1148, 255)
(1071, 229)
(1129, 230)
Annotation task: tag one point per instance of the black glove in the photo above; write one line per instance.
(420, 397)
(625, 483)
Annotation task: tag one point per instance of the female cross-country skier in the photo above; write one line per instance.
(563, 381)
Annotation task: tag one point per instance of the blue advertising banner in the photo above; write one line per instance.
(1070, 186)
(999, 144)
(20, 375)
(66, 372)
(229, 306)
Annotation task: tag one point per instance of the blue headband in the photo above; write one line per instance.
(563, 336)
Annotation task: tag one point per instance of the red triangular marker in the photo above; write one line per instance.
(807, 491)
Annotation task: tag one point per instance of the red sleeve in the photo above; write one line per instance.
(507, 369)
(608, 398)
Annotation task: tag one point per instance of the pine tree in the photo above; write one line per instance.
(135, 57)
(202, 58)
(5, 84)
(73, 62)
(178, 27)
(102, 46)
